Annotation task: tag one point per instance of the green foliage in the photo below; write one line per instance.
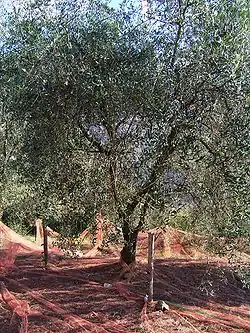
(137, 117)
(244, 276)
(17, 206)
(71, 246)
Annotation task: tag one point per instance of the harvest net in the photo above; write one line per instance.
(168, 242)
(7, 257)
(12, 244)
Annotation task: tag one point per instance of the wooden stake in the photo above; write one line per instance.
(39, 231)
(151, 245)
(45, 245)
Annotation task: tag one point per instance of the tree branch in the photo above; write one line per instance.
(143, 213)
(157, 170)
(179, 30)
(227, 174)
(209, 149)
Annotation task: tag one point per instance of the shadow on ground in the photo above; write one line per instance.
(77, 286)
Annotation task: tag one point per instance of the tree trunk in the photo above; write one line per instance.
(128, 252)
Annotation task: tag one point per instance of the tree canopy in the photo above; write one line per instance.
(130, 113)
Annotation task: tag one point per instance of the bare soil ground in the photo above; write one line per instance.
(70, 296)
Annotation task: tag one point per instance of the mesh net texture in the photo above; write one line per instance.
(12, 244)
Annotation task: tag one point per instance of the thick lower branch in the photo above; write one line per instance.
(157, 170)
(143, 213)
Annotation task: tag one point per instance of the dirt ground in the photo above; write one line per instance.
(70, 296)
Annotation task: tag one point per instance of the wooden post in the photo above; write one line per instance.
(45, 246)
(39, 232)
(151, 245)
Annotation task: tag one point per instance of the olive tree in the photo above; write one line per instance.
(120, 104)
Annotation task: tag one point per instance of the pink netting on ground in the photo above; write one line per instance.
(10, 236)
(12, 244)
(8, 255)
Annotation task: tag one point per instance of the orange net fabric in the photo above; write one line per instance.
(19, 308)
(8, 252)
(11, 244)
